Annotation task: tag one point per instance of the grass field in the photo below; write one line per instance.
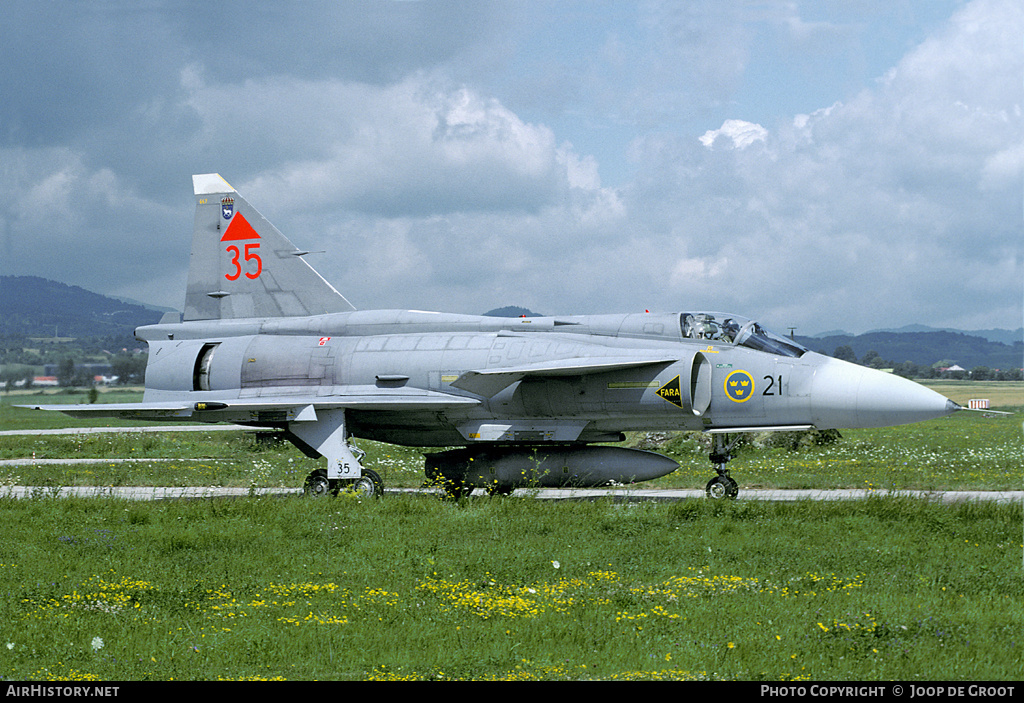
(1002, 394)
(509, 589)
(418, 588)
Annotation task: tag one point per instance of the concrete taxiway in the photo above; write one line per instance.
(616, 494)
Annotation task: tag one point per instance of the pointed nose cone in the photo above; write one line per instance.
(845, 395)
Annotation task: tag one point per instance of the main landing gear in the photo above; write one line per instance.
(324, 434)
(369, 485)
(722, 485)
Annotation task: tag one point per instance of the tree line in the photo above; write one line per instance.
(940, 369)
(128, 370)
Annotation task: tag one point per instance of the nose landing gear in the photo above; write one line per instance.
(721, 486)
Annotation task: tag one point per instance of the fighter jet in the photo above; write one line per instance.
(265, 341)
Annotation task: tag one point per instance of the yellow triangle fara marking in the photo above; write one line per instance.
(671, 392)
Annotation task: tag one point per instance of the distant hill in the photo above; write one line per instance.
(1003, 336)
(511, 311)
(925, 348)
(993, 335)
(36, 307)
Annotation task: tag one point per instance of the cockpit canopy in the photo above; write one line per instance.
(725, 328)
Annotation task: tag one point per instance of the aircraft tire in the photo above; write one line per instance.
(721, 487)
(318, 485)
(369, 484)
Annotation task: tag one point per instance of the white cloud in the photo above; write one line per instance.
(688, 273)
(885, 208)
(803, 122)
(1002, 167)
(414, 147)
(741, 134)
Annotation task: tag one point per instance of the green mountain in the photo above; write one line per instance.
(511, 311)
(925, 348)
(36, 307)
(993, 335)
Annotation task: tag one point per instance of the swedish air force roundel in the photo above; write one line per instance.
(739, 386)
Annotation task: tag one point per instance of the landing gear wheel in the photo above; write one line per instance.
(369, 485)
(318, 485)
(721, 487)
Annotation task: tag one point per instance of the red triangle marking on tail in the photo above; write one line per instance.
(239, 229)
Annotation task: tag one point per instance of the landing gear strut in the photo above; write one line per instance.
(722, 485)
(324, 434)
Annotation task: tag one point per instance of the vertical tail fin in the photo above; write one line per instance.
(242, 266)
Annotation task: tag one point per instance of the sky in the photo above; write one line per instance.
(838, 164)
